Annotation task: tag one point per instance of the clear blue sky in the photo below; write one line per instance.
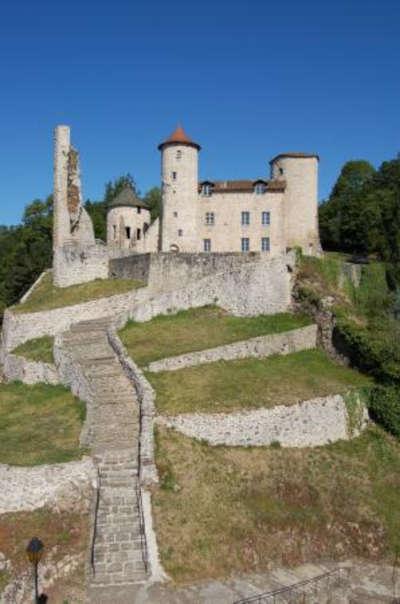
(247, 79)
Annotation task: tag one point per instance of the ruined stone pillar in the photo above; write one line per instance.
(61, 228)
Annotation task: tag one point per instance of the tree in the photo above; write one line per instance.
(153, 200)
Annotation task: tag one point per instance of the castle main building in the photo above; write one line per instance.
(263, 215)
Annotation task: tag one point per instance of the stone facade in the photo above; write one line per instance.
(17, 368)
(265, 215)
(304, 338)
(312, 423)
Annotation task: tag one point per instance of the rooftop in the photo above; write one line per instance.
(295, 154)
(243, 186)
(179, 137)
(127, 197)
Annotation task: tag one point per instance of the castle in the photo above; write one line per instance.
(261, 215)
(265, 215)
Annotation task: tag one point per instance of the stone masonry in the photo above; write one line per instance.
(118, 555)
(304, 338)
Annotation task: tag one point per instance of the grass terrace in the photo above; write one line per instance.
(252, 383)
(221, 511)
(47, 297)
(39, 349)
(199, 329)
(39, 424)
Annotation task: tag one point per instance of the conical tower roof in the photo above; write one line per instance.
(179, 137)
(127, 197)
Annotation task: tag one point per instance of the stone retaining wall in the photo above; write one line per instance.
(18, 368)
(259, 287)
(286, 342)
(62, 487)
(311, 423)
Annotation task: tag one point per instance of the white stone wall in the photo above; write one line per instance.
(300, 206)
(75, 264)
(61, 228)
(179, 198)
(227, 231)
(304, 338)
(121, 217)
(255, 285)
(62, 487)
(17, 368)
(312, 423)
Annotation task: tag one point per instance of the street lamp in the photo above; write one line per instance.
(35, 552)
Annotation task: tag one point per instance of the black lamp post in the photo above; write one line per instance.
(34, 552)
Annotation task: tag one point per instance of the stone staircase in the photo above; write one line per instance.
(118, 555)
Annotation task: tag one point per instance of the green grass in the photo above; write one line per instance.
(250, 383)
(39, 424)
(198, 329)
(46, 296)
(39, 349)
(220, 511)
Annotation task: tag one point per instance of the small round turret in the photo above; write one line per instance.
(128, 219)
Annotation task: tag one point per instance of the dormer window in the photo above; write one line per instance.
(260, 188)
(206, 189)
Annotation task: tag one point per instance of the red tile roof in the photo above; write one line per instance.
(243, 186)
(179, 137)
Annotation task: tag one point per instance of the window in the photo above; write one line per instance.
(174, 175)
(115, 231)
(138, 234)
(207, 245)
(178, 154)
(175, 214)
(206, 189)
(128, 232)
(245, 244)
(145, 228)
(259, 188)
(245, 218)
(210, 218)
(139, 210)
(265, 244)
(280, 171)
(265, 218)
(180, 232)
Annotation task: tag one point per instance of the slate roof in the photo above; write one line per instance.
(127, 197)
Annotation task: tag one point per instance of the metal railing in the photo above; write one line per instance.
(298, 593)
(143, 541)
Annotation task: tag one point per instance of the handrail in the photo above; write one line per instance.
(143, 541)
(96, 511)
(269, 597)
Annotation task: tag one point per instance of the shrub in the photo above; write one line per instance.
(384, 408)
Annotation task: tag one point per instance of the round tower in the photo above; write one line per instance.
(300, 172)
(128, 219)
(179, 178)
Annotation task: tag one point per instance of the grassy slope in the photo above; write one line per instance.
(278, 380)
(222, 510)
(39, 349)
(46, 296)
(198, 329)
(39, 424)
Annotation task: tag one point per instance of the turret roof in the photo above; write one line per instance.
(127, 197)
(179, 137)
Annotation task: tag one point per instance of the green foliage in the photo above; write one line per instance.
(384, 408)
(153, 200)
(38, 349)
(362, 214)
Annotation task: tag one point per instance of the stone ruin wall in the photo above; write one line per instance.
(77, 258)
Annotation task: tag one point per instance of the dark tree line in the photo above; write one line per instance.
(362, 214)
(26, 249)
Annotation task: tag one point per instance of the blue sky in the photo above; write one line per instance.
(247, 79)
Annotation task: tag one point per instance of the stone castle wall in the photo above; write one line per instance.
(244, 285)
